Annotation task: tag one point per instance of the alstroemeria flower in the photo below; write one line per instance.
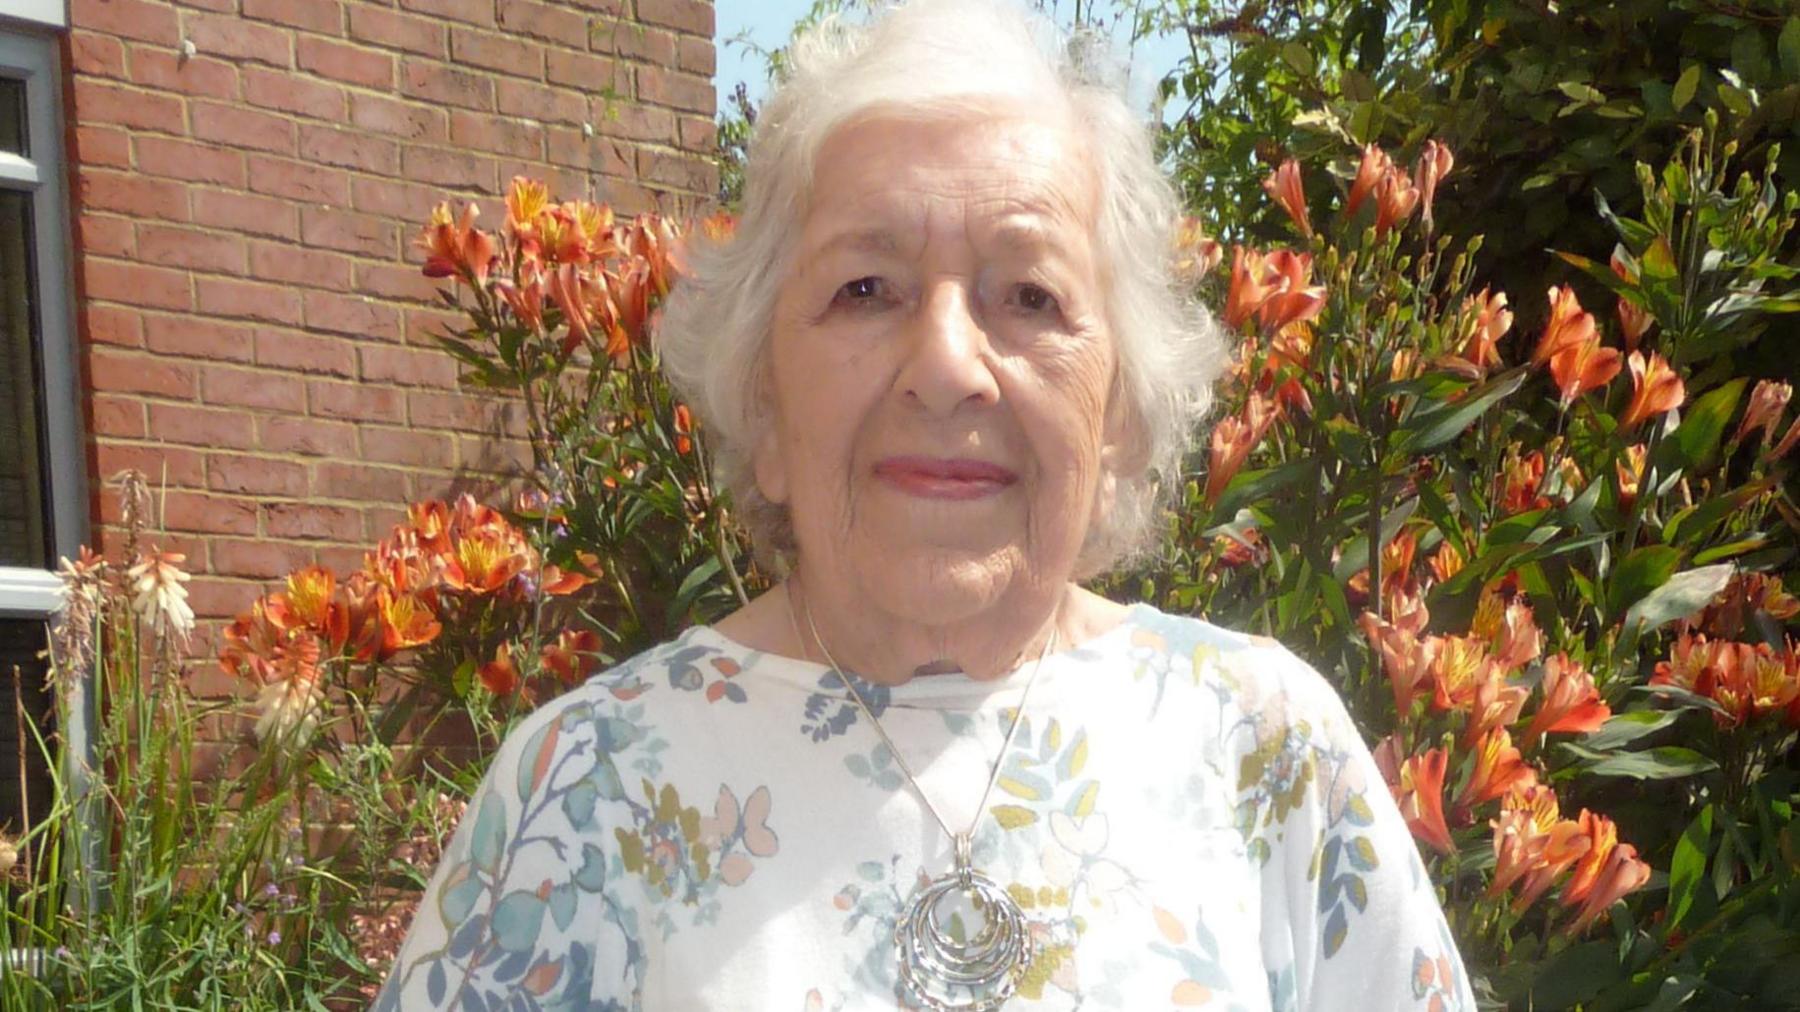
(1498, 769)
(456, 248)
(500, 675)
(1767, 401)
(1570, 704)
(1194, 253)
(1459, 666)
(1405, 659)
(1582, 367)
(1284, 187)
(1656, 388)
(1434, 163)
(1621, 875)
(1569, 325)
(574, 656)
(1418, 788)
(1231, 441)
(1375, 166)
(1395, 200)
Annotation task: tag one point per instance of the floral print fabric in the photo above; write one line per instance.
(1187, 816)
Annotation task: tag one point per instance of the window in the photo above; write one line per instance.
(42, 501)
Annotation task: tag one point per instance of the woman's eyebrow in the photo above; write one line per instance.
(868, 239)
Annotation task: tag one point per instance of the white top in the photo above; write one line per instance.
(1187, 816)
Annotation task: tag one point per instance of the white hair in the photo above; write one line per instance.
(928, 56)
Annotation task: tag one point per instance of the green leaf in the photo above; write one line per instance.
(1679, 596)
(1687, 868)
(1788, 45)
(1580, 92)
(1641, 572)
(1432, 428)
(1297, 56)
(1254, 486)
(1701, 431)
(1665, 762)
(1354, 556)
(1624, 728)
(1685, 87)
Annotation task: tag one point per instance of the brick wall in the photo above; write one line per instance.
(249, 176)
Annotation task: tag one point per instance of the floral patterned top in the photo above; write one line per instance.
(1187, 816)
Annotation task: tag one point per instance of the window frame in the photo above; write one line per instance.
(34, 59)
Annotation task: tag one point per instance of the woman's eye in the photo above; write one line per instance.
(861, 290)
(1034, 298)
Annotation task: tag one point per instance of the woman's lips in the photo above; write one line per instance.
(939, 478)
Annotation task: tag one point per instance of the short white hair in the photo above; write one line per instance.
(928, 56)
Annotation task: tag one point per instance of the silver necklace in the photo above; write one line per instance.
(940, 971)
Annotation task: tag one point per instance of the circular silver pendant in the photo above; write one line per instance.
(963, 944)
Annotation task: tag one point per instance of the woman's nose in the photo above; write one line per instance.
(946, 364)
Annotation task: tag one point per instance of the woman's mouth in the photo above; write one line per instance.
(945, 478)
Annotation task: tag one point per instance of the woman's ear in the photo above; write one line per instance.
(1125, 441)
(769, 465)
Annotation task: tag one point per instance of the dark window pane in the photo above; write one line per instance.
(12, 116)
(24, 775)
(22, 536)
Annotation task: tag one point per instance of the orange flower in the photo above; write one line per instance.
(574, 656)
(406, 622)
(1294, 301)
(1446, 562)
(1569, 325)
(1788, 440)
(577, 293)
(1772, 679)
(430, 522)
(525, 299)
(1583, 367)
(500, 675)
(1571, 703)
(1283, 185)
(485, 560)
(1484, 321)
(1495, 703)
(1634, 320)
(1404, 658)
(1395, 200)
(1460, 665)
(1418, 788)
(1527, 816)
(1564, 843)
(1375, 167)
(1521, 481)
(1506, 624)
(632, 290)
(1656, 388)
(1621, 875)
(1498, 769)
(1630, 468)
(1434, 163)
(456, 248)
(1767, 402)
(525, 199)
(1232, 440)
(1602, 837)
(558, 582)
(1195, 254)
(684, 427)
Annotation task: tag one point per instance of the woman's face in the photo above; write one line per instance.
(940, 365)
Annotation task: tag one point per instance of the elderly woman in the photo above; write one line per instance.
(943, 362)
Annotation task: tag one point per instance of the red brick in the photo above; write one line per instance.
(542, 21)
(336, 480)
(356, 317)
(349, 64)
(247, 388)
(181, 467)
(348, 232)
(311, 436)
(244, 128)
(356, 402)
(115, 325)
(306, 353)
(244, 212)
(230, 36)
(675, 90)
(191, 248)
(105, 235)
(298, 180)
(313, 521)
(99, 145)
(262, 559)
(350, 149)
(341, 558)
(133, 195)
(408, 446)
(436, 82)
(465, 412)
(220, 599)
(698, 133)
(694, 173)
(192, 426)
(116, 416)
(635, 41)
(587, 73)
(135, 284)
(474, 12)
(631, 121)
(694, 17)
(451, 168)
(295, 93)
(424, 327)
(246, 475)
(407, 120)
(551, 105)
(299, 266)
(248, 300)
(492, 456)
(323, 16)
(413, 34)
(136, 373)
(497, 52)
(208, 514)
(594, 154)
(200, 163)
(134, 19)
(627, 197)
(165, 69)
(697, 56)
(197, 337)
(408, 366)
(101, 55)
(389, 281)
(410, 202)
(517, 138)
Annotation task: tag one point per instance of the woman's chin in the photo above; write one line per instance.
(942, 585)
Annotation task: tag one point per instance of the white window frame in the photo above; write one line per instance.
(33, 58)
